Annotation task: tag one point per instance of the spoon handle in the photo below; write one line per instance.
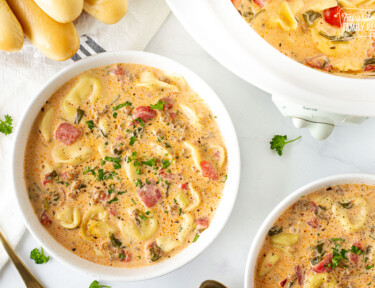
(28, 278)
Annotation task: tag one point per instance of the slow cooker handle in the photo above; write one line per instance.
(319, 123)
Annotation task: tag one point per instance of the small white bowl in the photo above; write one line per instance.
(286, 203)
(229, 194)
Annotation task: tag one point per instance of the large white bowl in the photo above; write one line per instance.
(279, 209)
(229, 193)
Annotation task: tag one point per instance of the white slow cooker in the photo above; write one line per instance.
(312, 99)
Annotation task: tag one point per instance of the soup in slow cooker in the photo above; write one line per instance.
(326, 239)
(125, 165)
(329, 35)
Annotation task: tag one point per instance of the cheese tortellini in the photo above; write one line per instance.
(140, 229)
(69, 217)
(183, 199)
(87, 87)
(192, 114)
(268, 263)
(285, 19)
(149, 81)
(95, 224)
(130, 169)
(73, 155)
(341, 214)
(45, 126)
(285, 239)
(321, 280)
(195, 154)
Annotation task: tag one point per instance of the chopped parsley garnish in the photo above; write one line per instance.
(356, 250)
(138, 183)
(88, 170)
(369, 267)
(135, 203)
(100, 174)
(165, 163)
(113, 200)
(225, 179)
(346, 205)
(278, 142)
(196, 237)
(39, 257)
(90, 124)
(6, 125)
(138, 171)
(132, 140)
(121, 192)
(127, 103)
(95, 284)
(158, 106)
(140, 121)
(115, 161)
(150, 162)
(114, 115)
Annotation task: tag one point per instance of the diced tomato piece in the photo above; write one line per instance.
(144, 112)
(168, 103)
(67, 133)
(184, 186)
(353, 258)
(113, 210)
(325, 265)
(44, 219)
(320, 62)
(282, 283)
(334, 16)
(125, 256)
(149, 195)
(313, 222)
(260, 3)
(370, 67)
(208, 170)
(299, 274)
(236, 3)
(202, 223)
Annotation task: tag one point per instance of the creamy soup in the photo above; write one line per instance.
(125, 165)
(333, 36)
(326, 239)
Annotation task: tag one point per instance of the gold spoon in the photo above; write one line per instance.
(28, 278)
(211, 284)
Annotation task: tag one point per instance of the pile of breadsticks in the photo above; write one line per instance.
(48, 24)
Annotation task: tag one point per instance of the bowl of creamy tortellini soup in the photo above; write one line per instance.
(126, 166)
(322, 235)
(329, 35)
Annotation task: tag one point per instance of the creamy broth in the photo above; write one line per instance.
(326, 239)
(336, 38)
(125, 165)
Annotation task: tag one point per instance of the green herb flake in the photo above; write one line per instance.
(79, 115)
(90, 124)
(158, 106)
(135, 203)
(127, 103)
(39, 257)
(165, 163)
(150, 162)
(196, 237)
(132, 140)
(113, 200)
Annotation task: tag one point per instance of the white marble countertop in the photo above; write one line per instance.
(266, 178)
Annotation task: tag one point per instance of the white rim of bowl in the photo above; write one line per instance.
(62, 254)
(352, 178)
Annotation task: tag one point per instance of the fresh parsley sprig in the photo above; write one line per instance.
(39, 257)
(6, 125)
(95, 284)
(278, 142)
